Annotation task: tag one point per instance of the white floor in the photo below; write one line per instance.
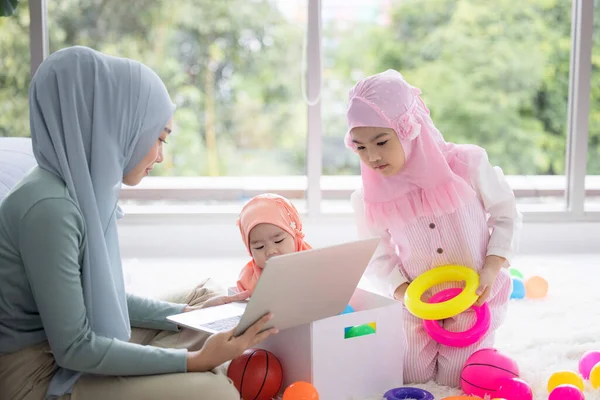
(543, 336)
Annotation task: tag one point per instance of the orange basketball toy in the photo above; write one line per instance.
(536, 287)
(301, 391)
(256, 374)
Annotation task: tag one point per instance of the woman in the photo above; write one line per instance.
(65, 319)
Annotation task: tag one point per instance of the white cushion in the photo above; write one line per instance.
(16, 160)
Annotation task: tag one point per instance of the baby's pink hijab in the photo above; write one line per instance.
(434, 178)
(267, 208)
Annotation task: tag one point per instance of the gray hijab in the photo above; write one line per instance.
(93, 119)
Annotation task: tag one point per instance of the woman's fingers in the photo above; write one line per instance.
(263, 335)
(255, 329)
(238, 297)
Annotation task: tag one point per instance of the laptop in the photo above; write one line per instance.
(297, 288)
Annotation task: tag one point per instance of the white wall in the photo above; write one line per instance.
(218, 236)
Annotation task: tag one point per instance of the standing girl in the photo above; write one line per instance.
(433, 203)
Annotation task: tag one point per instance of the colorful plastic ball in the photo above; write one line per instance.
(566, 392)
(518, 291)
(484, 370)
(359, 330)
(301, 391)
(514, 389)
(587, 362)
(536, 287)
(256, 374)
(565, 378)
(595, 376)
(516, 273)
(348, 310)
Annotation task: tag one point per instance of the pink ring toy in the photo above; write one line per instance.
(458, 339)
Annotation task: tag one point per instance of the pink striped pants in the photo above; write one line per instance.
(426, 359)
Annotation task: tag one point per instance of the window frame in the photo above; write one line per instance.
(577, 124)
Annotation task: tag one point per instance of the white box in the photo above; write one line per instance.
(340, 368)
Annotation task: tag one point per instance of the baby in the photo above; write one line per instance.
(270, 226)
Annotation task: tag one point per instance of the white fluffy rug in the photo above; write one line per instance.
(543, 336)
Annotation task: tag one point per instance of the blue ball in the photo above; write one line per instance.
(348, 309)
(518, 291)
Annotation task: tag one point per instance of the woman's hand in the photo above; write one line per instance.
(219, 301)
(487, 277)
(223, 346)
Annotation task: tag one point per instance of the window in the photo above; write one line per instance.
(234, 70)
(509, 76)
(592, 181)
(14, 72)
(494, 74)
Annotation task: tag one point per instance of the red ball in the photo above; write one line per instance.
(514, 389)
(587, 362)
(256, 374)
(566, 392)
(484, 371)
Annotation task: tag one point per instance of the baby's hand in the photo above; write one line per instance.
(487, 277)
(399, 292)
(219, 301)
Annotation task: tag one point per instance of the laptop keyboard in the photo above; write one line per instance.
(224, 324)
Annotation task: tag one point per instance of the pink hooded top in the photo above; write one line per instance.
(430, 182)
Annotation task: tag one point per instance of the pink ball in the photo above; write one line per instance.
(566, 392)
(484, 370)
(514, 389)
(587, 362)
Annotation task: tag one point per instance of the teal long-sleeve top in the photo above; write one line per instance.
(42, 240)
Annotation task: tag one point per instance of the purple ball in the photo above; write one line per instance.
(514, 389)
(566, 392)
(587, 362)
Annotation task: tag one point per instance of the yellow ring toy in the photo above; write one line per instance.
(446, 309)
